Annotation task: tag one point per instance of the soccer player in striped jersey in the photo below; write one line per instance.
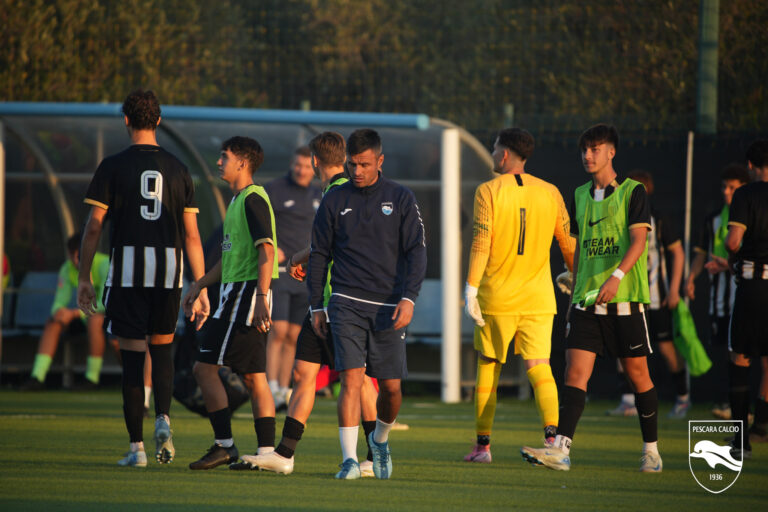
(328, 153)
(747, 243)
(611, 218)
(148, 195)
(237, 334)
(712, 255)
(509, 292)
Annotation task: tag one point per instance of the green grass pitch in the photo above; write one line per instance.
(59, 451)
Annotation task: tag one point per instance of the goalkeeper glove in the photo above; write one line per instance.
(471, 306)
(565, 282)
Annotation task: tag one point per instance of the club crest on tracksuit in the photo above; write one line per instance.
(387, 208)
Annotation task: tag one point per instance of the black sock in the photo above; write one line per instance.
(292, 432)
(221, 423)
(133, 393)
(681, 382)
(739, 393)
(571, 407)
(368, 427)
(647, 404)
(624, 387)
(162, 377)
(265, 430)
(760, 426)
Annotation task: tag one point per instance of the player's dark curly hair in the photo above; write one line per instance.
(736, 172)
(362, 140)
(246, 148)
(517, 140)
(329, 148)
(757, 153)
(599, 134)
(142, 110)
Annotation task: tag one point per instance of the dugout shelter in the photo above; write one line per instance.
(49, 152)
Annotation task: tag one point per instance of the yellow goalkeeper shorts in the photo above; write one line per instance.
(532, 335)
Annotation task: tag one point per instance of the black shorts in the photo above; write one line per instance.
(135, 313)
(618, 335)
(659, 325)
(241, 347)
(312, 348)
(290, 299)
(720, 329)
(748, 333)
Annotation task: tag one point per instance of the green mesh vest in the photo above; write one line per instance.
(603, 241)
(239, 257)
(327, 289)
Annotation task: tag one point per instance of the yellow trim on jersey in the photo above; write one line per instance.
(96, 203)
(739, 224)
(700, 250)
(674, 244)
(513, 229)
(641, 225)
(191, 210)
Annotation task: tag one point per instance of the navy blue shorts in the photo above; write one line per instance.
(290, 299)
(364, 337)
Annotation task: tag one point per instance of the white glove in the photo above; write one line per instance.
(471, 306)
(565, 282)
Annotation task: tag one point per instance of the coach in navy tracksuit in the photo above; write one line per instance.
(371, 229)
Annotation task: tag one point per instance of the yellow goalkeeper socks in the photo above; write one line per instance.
(485, 394)
(545, 392)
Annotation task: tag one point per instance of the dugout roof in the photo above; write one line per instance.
(52, 150)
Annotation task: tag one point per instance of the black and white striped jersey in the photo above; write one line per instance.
(146, 191)
(722, 291)
(662, 236)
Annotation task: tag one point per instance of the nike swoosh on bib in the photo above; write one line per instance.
(591, 223)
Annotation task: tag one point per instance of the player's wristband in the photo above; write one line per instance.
(618, 274)
(261, 294)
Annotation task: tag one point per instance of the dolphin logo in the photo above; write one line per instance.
(715, 454)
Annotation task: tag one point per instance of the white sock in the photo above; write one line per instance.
(274, 387)
(381, 433)
(261, 450)
(651, 447)
(628, 398)
(225, 443)
(563, 443)
(137, 447)
(147, 394)
(348, 440)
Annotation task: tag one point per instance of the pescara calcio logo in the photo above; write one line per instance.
(387, 208)
(709, 453)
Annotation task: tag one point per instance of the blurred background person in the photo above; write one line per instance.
(294, 200)
(64, 313)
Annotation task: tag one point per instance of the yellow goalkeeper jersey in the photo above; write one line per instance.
(515, 218)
